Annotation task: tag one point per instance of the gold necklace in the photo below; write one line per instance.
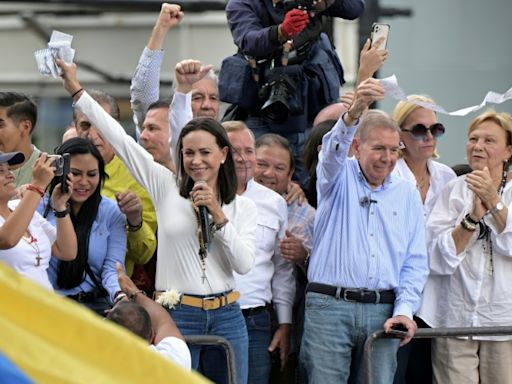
(423, 181)
(32, 242)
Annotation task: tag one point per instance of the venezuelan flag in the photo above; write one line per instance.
(54, 340)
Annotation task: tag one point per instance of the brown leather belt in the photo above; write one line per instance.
(207, 303)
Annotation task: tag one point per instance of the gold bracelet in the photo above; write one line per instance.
(467, 225)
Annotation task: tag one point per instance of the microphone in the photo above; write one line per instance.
(204, 219)
(366, 202)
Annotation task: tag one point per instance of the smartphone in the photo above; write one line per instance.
(398, 330)
(380, 30)
(65, 170)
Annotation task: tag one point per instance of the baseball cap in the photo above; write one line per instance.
(12, 158)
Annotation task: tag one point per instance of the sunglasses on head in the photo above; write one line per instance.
(419, 131)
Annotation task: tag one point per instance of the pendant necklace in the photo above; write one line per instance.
(203, 247)
(32, 242)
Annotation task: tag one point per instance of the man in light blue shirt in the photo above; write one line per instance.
(369, 261)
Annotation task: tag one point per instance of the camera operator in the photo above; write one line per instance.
(286, 69)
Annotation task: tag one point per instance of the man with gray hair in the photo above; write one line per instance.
(145, 87)
(369, 261)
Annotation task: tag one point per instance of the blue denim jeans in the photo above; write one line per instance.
(99, 305)
(226, 322)
(334, 334)
(260, 333)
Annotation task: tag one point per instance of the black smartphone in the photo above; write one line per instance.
(65, 170)
(398, 330)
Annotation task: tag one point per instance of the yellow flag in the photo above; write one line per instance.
(55, 340)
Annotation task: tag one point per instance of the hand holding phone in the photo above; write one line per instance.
(380, 30)
(65, 170)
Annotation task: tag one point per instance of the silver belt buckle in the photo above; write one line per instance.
(347, 291)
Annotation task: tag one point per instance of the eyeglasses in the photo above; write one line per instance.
(419, 131)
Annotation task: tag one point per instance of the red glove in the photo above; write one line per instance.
(294, 22)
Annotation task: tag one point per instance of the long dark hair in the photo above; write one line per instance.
(72, 273)
(227, 180)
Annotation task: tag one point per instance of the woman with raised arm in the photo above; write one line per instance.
(194, 279)
(27, 240)
(469, 234)
(90, 279)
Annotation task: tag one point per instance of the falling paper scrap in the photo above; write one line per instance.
(391, 87)
(59, 47)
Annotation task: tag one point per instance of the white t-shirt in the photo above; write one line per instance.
(23, 256)
(174, 349)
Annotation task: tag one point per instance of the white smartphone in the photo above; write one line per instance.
(380, 30)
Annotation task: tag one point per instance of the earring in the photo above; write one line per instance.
(222, 162)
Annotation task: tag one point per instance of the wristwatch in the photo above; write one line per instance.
(497, 208)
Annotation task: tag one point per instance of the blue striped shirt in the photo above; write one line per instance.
(367, 238)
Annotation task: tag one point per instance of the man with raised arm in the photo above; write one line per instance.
(369, 261)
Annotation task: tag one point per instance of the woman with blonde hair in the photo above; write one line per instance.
(420, 132)
(469, 236)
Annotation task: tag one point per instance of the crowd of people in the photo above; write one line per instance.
(294, 237)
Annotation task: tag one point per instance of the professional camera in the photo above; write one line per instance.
(279, 90)
(61, 164)
(312, 6)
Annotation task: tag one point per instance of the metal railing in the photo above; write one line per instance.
(217, 341)
(426, 333)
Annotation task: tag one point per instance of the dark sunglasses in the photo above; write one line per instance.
(419, 131)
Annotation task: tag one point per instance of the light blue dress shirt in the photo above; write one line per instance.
(107, 245)
(366, 238)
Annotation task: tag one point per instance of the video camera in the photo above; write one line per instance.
(62, 165)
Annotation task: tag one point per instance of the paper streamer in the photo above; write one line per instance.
(391, 87)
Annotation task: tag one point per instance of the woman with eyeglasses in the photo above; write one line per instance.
(420, 132)
(470, 247)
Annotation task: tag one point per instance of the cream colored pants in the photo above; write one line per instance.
(458, 361)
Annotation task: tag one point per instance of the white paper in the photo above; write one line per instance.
(391, 87)
(59, 47)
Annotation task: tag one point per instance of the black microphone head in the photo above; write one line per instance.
(204, 220)
(364, 201)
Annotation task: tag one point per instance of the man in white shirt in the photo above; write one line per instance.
(149, 320)
(271, 278)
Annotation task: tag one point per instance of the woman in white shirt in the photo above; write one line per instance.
(420, 132)
(27, 240)
(470, 246)
(194, 280)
